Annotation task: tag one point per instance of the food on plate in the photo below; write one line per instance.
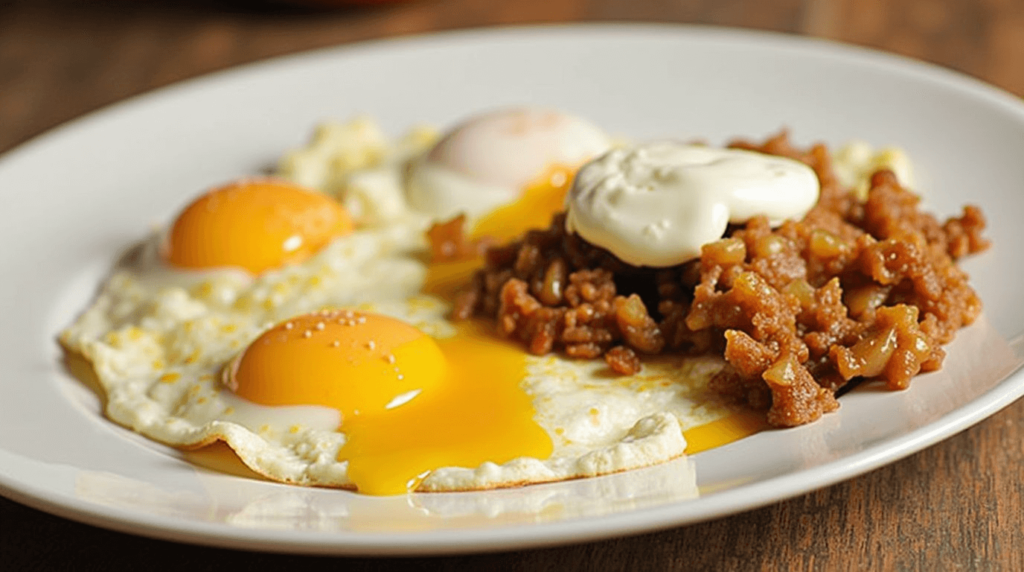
(314, 340)
(799, 303)
(311, 320)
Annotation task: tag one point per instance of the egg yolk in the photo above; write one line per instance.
(540, 201)
(409, 403)
(256, 225)
(359, 364)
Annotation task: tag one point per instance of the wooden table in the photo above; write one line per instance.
(957, 505)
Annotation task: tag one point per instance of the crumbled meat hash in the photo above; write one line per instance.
(857, 289)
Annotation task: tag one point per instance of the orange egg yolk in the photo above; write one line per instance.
(257, 225)
(409, 403)
(359, 364)
(540, 201)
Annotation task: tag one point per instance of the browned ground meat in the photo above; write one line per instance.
(854, 290)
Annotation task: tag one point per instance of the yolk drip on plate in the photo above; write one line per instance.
(732, 427)
(256, 224)
(409, 403)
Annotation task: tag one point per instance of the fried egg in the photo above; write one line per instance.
(269, 318)
(488, 160)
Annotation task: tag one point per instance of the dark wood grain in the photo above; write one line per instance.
(956, 506)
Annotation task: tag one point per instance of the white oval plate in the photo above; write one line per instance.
(75, 198)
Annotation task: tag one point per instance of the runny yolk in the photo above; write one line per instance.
(534, 208)
(409, 403)
(732, 427)
(257, 225)
(539, 202)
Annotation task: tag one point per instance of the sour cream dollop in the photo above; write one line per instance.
(657, 203)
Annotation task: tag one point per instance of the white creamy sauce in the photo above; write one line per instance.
(656, 204)
(488, 160)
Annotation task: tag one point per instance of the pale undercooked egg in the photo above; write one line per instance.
(500, 158)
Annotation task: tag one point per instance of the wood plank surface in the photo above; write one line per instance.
(958, 505)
